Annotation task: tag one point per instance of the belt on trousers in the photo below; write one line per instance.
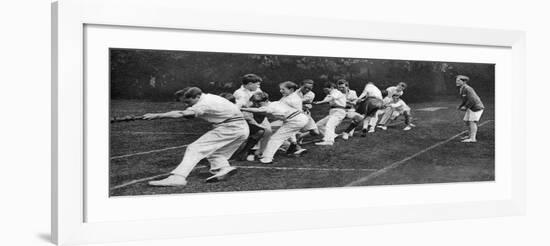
(337, 107)
(230, 120)
(293, 115)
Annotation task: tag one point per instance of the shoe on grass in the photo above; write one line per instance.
(223, 174)
(266, 161)
(383, 127)
(345, 136)
(250, 158)
(299, 151)
(291, 149)
(172, 180)
(469, 140)
(407, 128)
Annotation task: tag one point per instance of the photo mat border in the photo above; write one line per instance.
(68, 225)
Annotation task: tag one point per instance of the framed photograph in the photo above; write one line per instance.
(170, 122)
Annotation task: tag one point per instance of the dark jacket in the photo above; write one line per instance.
(470, 99)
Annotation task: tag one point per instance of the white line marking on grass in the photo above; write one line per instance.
(252, 167)
(138, 181)
(399, 163)
(148, 152)
(431, 109)
(310, 168)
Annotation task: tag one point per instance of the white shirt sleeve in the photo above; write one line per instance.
(199, 109)
(308, 97)
(240, 98)
(352, 96)
(365, 92)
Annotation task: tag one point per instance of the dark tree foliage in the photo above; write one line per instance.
(155, 74)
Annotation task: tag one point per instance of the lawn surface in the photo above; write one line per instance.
(143, 149)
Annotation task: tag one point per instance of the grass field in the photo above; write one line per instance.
(430, 153)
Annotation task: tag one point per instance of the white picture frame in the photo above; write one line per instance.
(70, 17)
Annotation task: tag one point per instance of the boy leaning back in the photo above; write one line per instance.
(250, 85)
(217, 145)
(472, 105)
(337, 101)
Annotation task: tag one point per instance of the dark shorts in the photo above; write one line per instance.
(255, 129)
(369, 106)
(259, 118)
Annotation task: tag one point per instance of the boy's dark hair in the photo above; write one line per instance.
(228, 96)
(259, 97)
(289, 85)
(188, 92)
(343, 82)
(330, 85)
(251, 78)
(307, 81)
(463, 78)
(402, 84)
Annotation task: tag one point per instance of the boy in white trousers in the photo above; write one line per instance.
(255, 134)
(327, 126)
(217, 145)
(394, 107)
(250, 85)
(351, 101)
(370, 91)
(308, 96)
(293, 121)
(291, 96)
(397, 89)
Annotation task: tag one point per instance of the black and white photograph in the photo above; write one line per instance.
(195, 122)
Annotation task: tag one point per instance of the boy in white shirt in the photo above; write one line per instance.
(307, 95)
(305, 92)
(217, 145)
(351, 101)
(289, 90)
(293, 121)
(256, 132)
(397, 89)
(370, 91)
(250, 85)
(327, 126)
(394, 108)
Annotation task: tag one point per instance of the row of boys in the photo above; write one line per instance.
(253, 121)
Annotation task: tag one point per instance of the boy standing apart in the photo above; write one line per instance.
(327, 126)
(217, 145)
(472, 105)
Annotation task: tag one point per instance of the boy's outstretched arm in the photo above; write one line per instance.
(254, 110)
(171, 114)
(327, 99)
